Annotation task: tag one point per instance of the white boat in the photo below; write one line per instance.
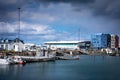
(18, 60)
(6, 61)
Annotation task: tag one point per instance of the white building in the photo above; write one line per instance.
(62, 44)
(15, 45)
(29, 46)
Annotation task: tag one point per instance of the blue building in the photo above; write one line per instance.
(99, 40)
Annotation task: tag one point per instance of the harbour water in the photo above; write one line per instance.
(87, 68)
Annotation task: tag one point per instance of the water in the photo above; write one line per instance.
(87, 68)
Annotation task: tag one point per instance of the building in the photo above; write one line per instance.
(18, 45)
(15, 45)
(62, 44)
(29, 46)
(108, 40)
(84, 45)
(114, 41)
(99, 40)
(5, 44)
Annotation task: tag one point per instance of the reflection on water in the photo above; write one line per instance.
(87, 68)
(4, 69)
(9, 70)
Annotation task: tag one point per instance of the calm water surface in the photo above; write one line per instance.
(87, 68)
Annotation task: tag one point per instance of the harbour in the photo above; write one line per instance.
(59, 40)
(86, 68)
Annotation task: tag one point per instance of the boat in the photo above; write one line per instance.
(6, 61)
(18, 60)
(69, 57)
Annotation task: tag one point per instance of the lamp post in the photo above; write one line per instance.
(19, 29)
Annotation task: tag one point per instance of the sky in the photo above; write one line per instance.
(56, 20)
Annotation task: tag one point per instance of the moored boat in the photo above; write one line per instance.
(18, 60)
(6, 61)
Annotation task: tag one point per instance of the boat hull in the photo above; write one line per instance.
(4, 61)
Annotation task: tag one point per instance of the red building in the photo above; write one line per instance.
(114, 41)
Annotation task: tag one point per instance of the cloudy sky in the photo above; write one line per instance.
(54, 20)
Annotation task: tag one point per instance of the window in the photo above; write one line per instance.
(6, 47)
(14, 47)
(2, 46)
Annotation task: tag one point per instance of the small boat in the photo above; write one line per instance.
(69, 57)
(18, 60)
(6, 61)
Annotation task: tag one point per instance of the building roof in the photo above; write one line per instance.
(29, 44)
(7, 41)
(53, 42)
(18, 40)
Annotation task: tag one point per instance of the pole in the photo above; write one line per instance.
(79, 34)
(19, 29)
(19, 23)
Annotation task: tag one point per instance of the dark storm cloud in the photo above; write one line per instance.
(6, 7)
(108, 8)
(68, 1)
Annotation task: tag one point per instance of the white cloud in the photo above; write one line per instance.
(33, 32)
(7, 27)
(25, 27)
(36, 28)
(38, 16)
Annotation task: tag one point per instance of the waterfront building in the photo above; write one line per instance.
(84, 45)
(99, 40)
(5, 44)
(18, 45)
(15, 45)
(29, 47)
(114, 41)
(62, 44)
(108, 41)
